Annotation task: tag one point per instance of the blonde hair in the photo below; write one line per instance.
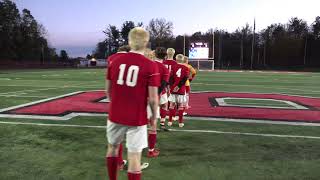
(179, 58)
(185, 59)
(170, 53)
(149, 54)
(138, 38)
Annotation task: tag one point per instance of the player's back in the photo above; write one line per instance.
(130, 75)
(169, 64)
(111, 58)
(179, 72)
(163, 71)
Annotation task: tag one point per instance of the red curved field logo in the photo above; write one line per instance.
(210, 105)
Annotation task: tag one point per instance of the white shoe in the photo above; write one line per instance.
(124, 162)
(185, 113)
(144, 166)
(169, 123)
(176, 118)
(181, 125)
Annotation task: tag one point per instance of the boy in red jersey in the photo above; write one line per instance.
(177, 98)
(170, 62)
(160, 54)
(121, 50)
(132, 82)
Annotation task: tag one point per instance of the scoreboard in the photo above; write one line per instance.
(199, 50)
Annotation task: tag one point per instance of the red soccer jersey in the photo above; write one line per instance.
(164, 73)
(130, 75)
(169, 64)
(113, 56)
(178, 73)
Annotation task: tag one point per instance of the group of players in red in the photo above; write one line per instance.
(143, 85)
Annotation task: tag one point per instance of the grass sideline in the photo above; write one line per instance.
(33, 152)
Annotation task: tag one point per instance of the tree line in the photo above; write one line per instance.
(294, 44)
(22, 38)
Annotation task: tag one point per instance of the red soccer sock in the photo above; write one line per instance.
(120, 158)
(163, 113)
(112, 166)
(152, 139)
(134, 175)
(172, 114)
(180, 113)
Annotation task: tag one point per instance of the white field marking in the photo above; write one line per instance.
(173, 130)
(71, 86)
(250, 85)
(44, 89)
(22, 96)
(36, 102)
(5, 79)
(246, 92)
(246, 134)
(222, 102)
(31, 90)
(72, 115)
(253, 121)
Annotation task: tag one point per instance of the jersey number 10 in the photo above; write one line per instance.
(132, 75)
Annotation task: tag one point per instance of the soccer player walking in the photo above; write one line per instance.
(179, 76)
(192, 75)
(132, 82)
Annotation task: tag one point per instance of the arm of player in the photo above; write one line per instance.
(193, 73)
(108, 89)
(181, 83)
(163, 86)
(154, 103)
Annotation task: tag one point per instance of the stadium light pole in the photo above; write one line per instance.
(253, 42)
(184, 44)
(213, 45)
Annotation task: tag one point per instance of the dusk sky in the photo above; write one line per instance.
(76, 25)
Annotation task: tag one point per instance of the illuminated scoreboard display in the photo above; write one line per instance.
(199, 50)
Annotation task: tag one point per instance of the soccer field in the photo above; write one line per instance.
(207, 148)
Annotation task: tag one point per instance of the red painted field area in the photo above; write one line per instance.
(202, 106)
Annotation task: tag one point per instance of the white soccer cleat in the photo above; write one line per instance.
(185, 113)
(169, 123)
(176, 118)
(181, 125)
(144, 166)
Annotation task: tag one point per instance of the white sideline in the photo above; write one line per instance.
(173, 130)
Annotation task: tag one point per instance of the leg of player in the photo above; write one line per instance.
(172, 112)
(134, 167)
(180, 112)
(112, 161)
(152, 140)
(121, 162)
(163, 114)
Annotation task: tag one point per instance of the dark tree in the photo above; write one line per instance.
(316, 28)
(113, 38)
(297, 28)
(125, 29)
(64, 55)
(9, 29)
(89, 56)
(161, 32)
(21, 36)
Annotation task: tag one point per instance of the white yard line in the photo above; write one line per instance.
(36, 102)
(173, 130)
(22, 96)
(31, 90)
(255, 85)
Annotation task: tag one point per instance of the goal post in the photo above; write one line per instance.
(203, 64)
